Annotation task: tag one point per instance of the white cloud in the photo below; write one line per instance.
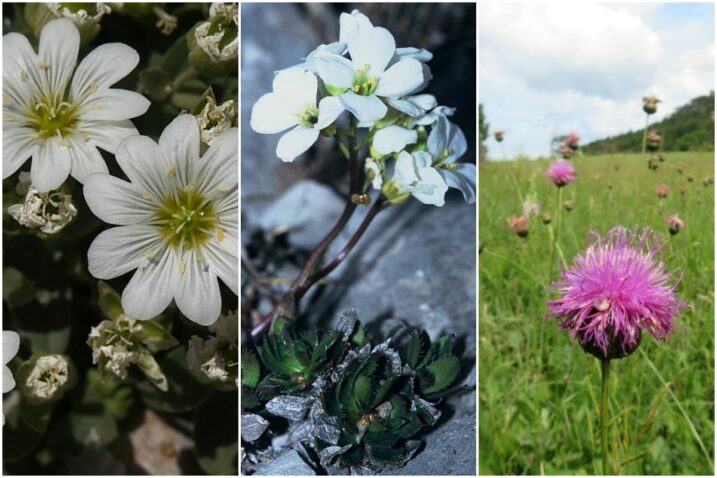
(547, 69)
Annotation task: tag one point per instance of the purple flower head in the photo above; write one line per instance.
(616, 289)
(561, 173)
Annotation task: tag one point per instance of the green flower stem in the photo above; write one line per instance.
(556, 236)
(605, 368)
(644, 134)
(287, 305)
(182, 77)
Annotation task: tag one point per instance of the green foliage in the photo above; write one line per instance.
(483, 132)
(690, 128)
(539, 393)
(436, 366)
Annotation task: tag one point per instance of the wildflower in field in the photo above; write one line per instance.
(572, 141)
(649, 104)
(499, 134)
(561, 173)
(292, 104)
(10, 347)
(519, 225)
(531, 207)
(690, 178)
(47, 212)
(58, 113)
(662, 190)
(177, 218)
(653, 141)
(359, 83)
(568, 205)
(615, 290)
(652, 163)
(675, 224)
(546, 217)
(708, 180)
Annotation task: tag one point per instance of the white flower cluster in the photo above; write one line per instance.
(48, 375)
(218, 356)
(47, 212)
(380, 86)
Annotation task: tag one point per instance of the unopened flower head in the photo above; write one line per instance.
(47, 212)
(48, 375)
(675, 224)
(561, 173)
(499, 134)
(649, 104)
(177, 218)
(568, 205)
(572, 140)
(615, 290)
(566, 151)
(662, 191)
(653, 140)
(519, 225)
(531, 206)
(59, 113)
(215, 119)
(218, 36)
(373, 173)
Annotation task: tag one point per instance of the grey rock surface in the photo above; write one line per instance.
(286, 464)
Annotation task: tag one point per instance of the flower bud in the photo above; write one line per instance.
(45, 378)
(649, 104)
(86, 16)
(519, 225)
(214, 44)
(499, 135)
(394, 193)
(662, 190)
(617, 348)
(568, 205)
(546, 217)
(675, 224)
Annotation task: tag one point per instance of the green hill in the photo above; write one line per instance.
(690, 128)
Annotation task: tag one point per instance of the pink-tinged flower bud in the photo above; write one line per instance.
(675, 224)
(662, 190)
(561, 173)
(572, 141)
(498, 135)
(518, 225)
(653, 141)
(649, 104)
(566, 152)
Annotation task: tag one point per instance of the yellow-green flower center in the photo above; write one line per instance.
(188, 220)
(363, 84)
(310, 116)
(52, 117)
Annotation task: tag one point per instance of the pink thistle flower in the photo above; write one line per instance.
(616, 289)
(572, 140)
(675, 224)
(561, 173)
(662, 190)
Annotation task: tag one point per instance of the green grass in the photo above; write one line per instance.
(539, 392)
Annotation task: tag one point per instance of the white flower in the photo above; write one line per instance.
(415, 106)
(48, 375)
(48, 212)
(58, 114)
(446, 144)
(82, 17)
(393, 139)
(223, 21)
(361, 81)
(217, 357)
(434, 114)
(348, 22)
(215, 119)
(415, 174)
(373, 173)
(292, 103)
(10, 347)
(177, 218)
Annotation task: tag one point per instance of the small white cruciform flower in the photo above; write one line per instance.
(177, 221)
(292, 103)
(415, 174)
(58, 113)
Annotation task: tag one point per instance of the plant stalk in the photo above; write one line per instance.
(556, 236)
(644, 134)
(605, 368)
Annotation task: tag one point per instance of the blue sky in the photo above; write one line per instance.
(549, 69)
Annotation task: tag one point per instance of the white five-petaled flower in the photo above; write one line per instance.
(58, 114)
(177, 218)
(293, 103)
(360, 82)
(446, 144)
(414, 173)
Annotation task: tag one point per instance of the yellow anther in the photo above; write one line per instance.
(182, 267)
(43, 64)
(150, 254)
(220, 234)
(93, 88)
(223, 189)
(23, 74)
(147, 195)
(170, 171)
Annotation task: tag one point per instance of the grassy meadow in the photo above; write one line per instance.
(539, 392)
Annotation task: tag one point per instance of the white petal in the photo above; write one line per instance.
(418, 54)
(8, 382)
(17, 146)
(446, 136)
(431, 189)
(152, 287)
(373, 47)
(223, 260)
(295, 142)
(197, 294)
(422, 159)
(297, 89)
(309, 64)
(143, 162)
(103, 67)
(180, 144)
(108, 134)
(114, 104)
(405, 106)
(401, 79)
(335, 70)
(10, 345)
(86, 159)
(393, 139)
(425, 101)
(59, 45)
(22, 78)
(118, 250)
(51, 165)
(365, 108)
(463, 179)
(329, 109)
(404, 172)
(269, 115)
(218, 169)
(116, 201)
(348, 22)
